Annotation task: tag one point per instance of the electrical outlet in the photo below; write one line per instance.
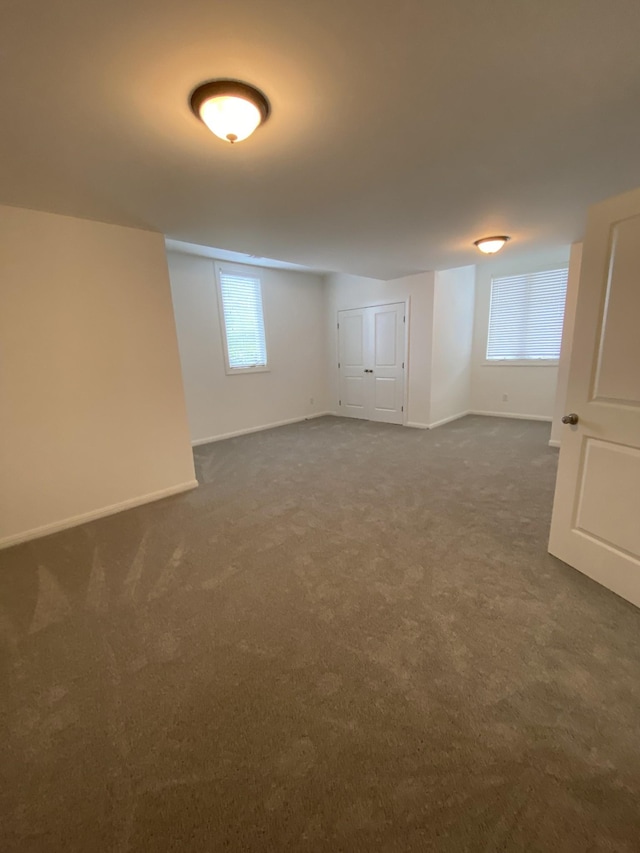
(505, 398)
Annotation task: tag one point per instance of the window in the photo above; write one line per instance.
(240, 296)
(526, 316)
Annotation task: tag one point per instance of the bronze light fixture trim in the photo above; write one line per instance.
(491, 245)
(231, 109)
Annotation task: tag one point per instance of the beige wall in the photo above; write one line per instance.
(531, 390)
(452, 342)
(350, 291)
(294, 312)
(93, 416)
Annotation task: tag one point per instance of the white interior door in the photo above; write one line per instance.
(386, 328)
(353, 344)
(371, 346)
(596, 513)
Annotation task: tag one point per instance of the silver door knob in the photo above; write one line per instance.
(570, 419)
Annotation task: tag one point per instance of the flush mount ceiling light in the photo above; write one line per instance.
(491, 245)
(230, 109)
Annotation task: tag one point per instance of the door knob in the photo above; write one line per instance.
(570, 419)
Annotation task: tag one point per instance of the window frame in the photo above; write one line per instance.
(520, 362)
(248, 271)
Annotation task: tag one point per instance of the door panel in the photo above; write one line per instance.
(606, 508)
(596, 513)
(371, 368)
(353, 335)
(385, 394)
(385, 338)
(619, 339)
(354, 394)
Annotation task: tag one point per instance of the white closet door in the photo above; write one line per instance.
(353, 342)
(371, 347)
(386, 325)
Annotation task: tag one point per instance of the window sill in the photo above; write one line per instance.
(522, 362)
(237, 371)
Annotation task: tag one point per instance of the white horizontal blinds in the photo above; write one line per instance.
(526, 316)
(243, 320)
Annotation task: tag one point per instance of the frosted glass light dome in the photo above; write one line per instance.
(230, 118)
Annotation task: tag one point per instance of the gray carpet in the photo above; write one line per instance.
(350, 638)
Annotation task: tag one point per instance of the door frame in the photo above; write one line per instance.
(405, 386)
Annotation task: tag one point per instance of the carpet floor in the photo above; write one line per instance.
(349, 638)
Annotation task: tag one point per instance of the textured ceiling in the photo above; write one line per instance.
(401, 130)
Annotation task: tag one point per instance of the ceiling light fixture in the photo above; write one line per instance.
(230, 109)
(491, 245)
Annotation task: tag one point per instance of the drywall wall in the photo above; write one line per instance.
(453, 309)
(350, 291)
(219, 405)
(530, 390)
(93, 416)
(575, 263)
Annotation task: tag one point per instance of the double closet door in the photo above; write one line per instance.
(371, 355)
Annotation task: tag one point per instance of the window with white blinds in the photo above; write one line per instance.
(526, 316)
(241, 303)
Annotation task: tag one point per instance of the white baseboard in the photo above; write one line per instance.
(448, 420)
(553, 442)
(75, 520)
(198, 441)
(414, 425)
(512, 415)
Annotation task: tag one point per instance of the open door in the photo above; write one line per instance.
(596, 513)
